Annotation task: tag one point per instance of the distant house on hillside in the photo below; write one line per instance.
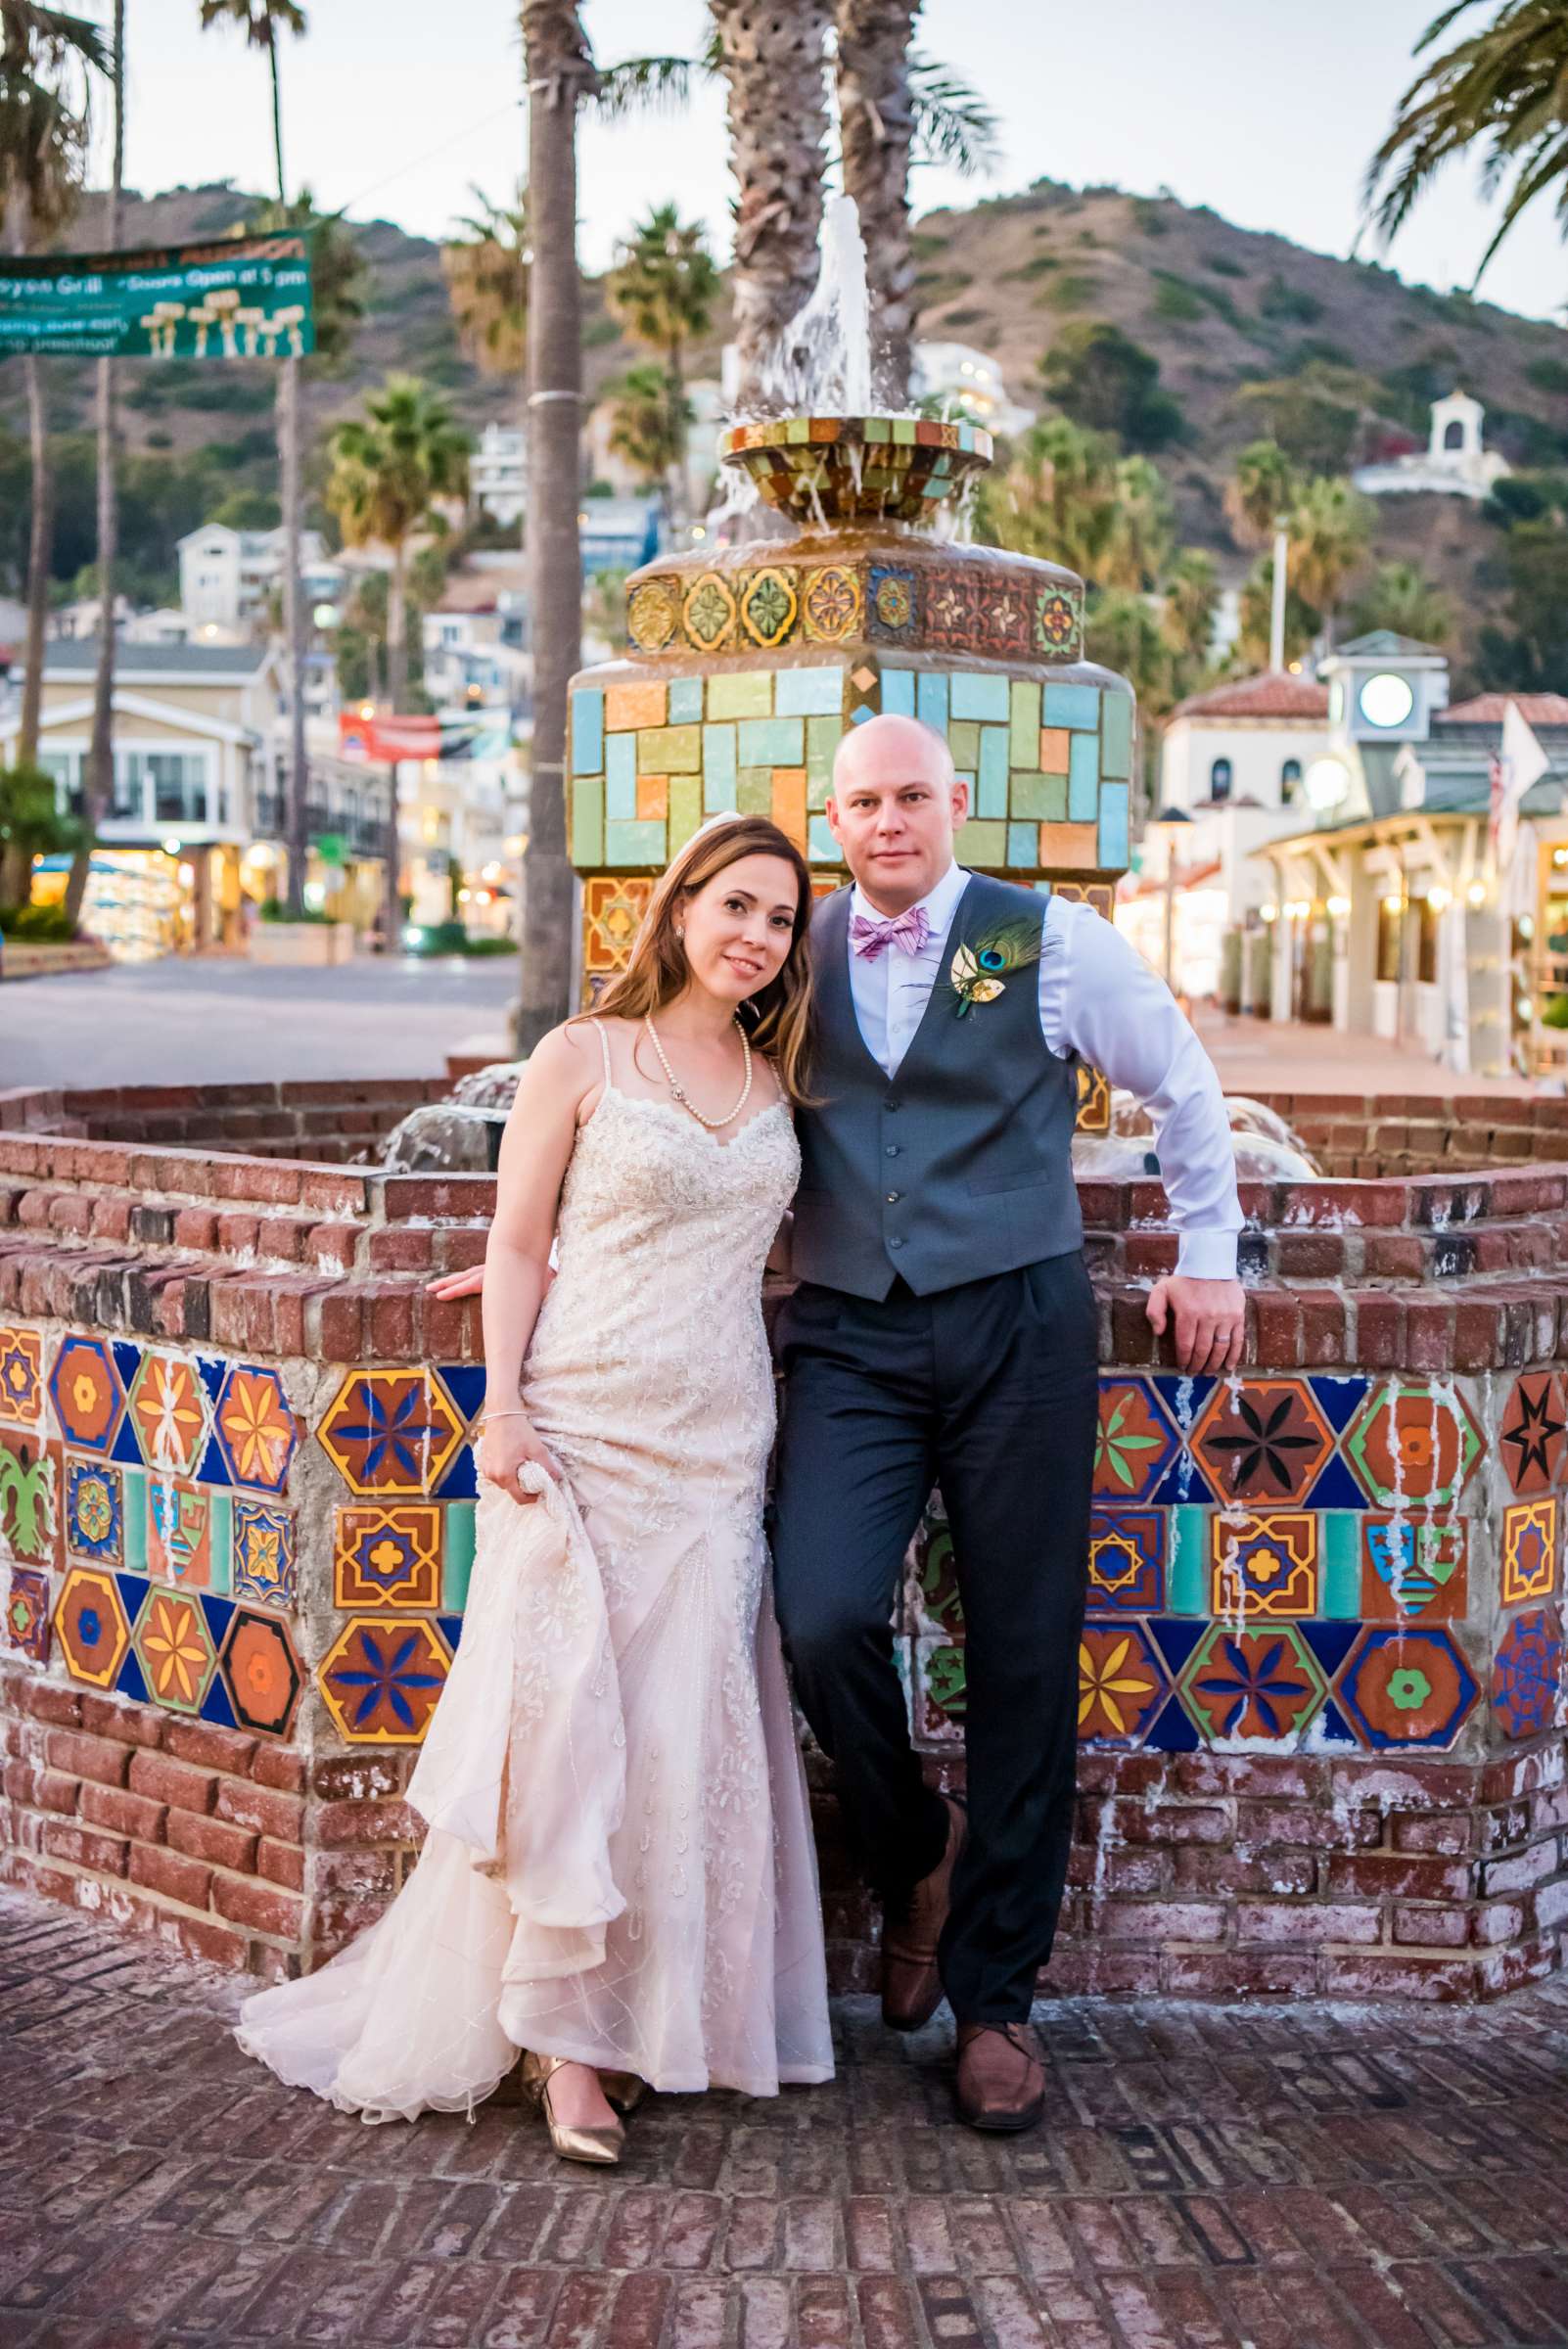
(1453, 464)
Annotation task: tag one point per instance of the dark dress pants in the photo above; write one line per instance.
(989, 1390)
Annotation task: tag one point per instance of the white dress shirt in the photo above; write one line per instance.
(1098, 997)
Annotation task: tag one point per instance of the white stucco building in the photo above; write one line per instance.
(1456, 463)
(226, 576)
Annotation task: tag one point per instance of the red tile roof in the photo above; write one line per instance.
(1272, 694)
(1487, 710)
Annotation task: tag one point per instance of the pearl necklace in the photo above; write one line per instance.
(713, 1124)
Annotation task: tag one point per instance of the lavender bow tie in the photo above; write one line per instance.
(908, 932)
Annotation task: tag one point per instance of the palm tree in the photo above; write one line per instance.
(646, 427)
(662, 290)
(1066, 494)
(560, 78)
(487, 273)
(99, 792)
(773, 60)
(263, 22)
(1506, 85)
(1401, 597)
(1330, 529)
(46, 59)
(1191, 598)
(876, 132)
(1263, 488)
(388, 469)
(1254, 642)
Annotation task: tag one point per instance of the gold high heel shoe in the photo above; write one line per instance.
(570, 2140)
(622, 2091)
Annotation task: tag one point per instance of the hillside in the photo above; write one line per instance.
(1220, 308)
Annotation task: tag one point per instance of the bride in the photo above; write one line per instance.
(619, 1875)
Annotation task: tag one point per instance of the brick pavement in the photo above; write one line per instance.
(1297, 2176)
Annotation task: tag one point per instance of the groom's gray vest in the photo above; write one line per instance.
(957, 1166)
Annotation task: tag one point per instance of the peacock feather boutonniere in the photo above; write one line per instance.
(979, 971)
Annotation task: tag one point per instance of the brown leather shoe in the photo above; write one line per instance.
(911, 1987)
(1001, 2077)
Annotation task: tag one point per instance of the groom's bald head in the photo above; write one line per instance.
(894, 807)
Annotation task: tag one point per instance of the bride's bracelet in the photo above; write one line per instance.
(519, 1413)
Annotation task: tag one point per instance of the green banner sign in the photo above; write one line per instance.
(239, 298)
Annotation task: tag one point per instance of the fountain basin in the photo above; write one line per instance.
(835, 468)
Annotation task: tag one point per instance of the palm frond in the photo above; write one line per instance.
(953, 123)
(643, 85)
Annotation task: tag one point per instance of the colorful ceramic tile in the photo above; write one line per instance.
(1413, 1446)
(170, 1409)
(180, 1525)
(21, 1390)
(1055, 620)
(1127, 1559)
(830, 603)
(1093, 1100)
(1262, 1440)
(1134, 1442)
(87, 1392)
(653, 614)
(932, 1582)
(390, 1431)
(1252, 1683)
(380, 1681)
(892, 604)
(256, 1428)
(91, 1627)
(29, 1500)
(457, 1562)
(952, 611)
(95, 1516)
(939, 1693)
(613, 908)
(1529, 1550)
(1533, 1440)
(265, 1565)
(1405, 1687)
(1527, 1673)
(1264, 1565)
(175, 1649)
(1004, 620)
(261, 1673)
(1121, 1683)
(388, 1557)
(767, 604)
(27, 1615)
(1413, 1567)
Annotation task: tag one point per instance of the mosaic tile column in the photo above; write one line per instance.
(751, 664)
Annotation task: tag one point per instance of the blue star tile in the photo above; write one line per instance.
(1173, 1733)
(451, 1627)
(1335, 1489)
(131, 1680)
(1330, 1643)
(1332, 1729)
(1175, 1636)
(215, 1705)
(214, 1470)
(132, 1591)
(1339, 1399)
(464, 1383)
(128, 1359)
(212, 1371)
(127, 1447)
(461, 1480)
(218, 1612)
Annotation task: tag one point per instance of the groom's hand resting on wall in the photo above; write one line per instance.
(1211, 1320)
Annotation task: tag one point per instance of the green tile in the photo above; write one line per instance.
(719, 769)
(457, 1555)
(621, 779)
(134, 1502)
(1039, 799)
(822, 738)
(670, 751)
(797, 429)
(1084, 780)
(755, 791)
(769, 741)
(1341, 1559)
(1023, 844)
(976, 694)
(991, 798)
(1023, 722)
(745, 693)
(903, 429)
(981, 844)
(221, 1574)
(963, 740)
(685, 700)
(1187, 1573)
(809, 692)
(588, 820)
(877, 428)
(685, 809)
(635, 844)
(1116, 736)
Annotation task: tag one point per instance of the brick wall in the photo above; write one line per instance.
(1350, 1851)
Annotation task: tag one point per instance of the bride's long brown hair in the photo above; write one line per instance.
(778, 1016)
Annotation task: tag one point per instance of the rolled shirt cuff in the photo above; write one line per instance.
(1207, 1255)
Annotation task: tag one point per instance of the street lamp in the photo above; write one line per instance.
(1169, 824)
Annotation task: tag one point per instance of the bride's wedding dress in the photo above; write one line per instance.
(618, 1868)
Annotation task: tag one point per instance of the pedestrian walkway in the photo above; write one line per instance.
(1265, 1056)
(1320, 2176)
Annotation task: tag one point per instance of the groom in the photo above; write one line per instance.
(944, 1332)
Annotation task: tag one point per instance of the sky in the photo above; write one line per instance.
(1267, 113)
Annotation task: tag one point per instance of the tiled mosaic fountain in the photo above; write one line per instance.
(752, 662)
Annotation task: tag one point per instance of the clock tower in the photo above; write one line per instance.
(1384, 689)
